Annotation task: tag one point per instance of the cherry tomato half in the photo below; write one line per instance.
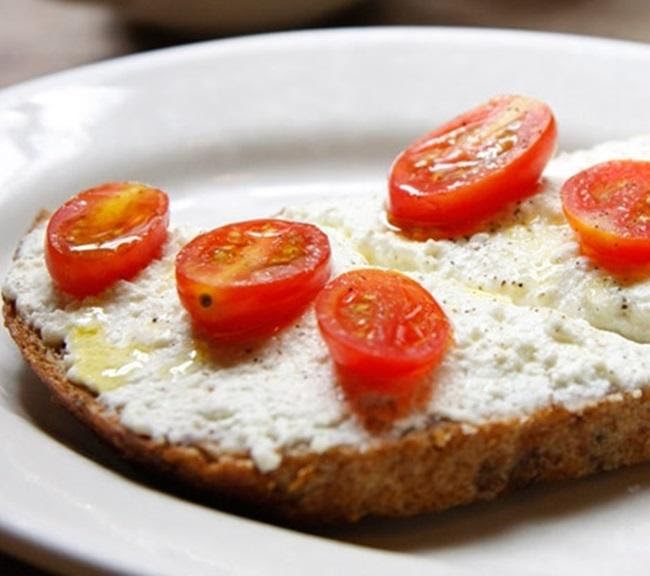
(461, 174)
(245, 280)
(105, 234)
(608, 205)
(383, 329)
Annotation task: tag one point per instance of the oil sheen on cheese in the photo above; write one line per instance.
(530, 255)
(535, 324)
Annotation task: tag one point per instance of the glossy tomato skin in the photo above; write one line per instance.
(383, 329)
(608, 206)
(105, 234)
(456, 177)
(245, 280)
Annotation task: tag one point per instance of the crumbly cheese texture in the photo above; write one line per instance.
(528, 256)
(534, 323)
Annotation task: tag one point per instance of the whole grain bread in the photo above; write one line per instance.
(444, 465)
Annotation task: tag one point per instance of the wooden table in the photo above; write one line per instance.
(38, 37)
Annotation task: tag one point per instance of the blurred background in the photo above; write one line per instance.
(42, 36)
(38, 37)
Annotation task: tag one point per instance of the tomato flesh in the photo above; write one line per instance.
(383, 329)
(248, 279)
(608, 206)
(453, 179)
(105, 234)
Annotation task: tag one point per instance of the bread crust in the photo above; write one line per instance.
(444, 465)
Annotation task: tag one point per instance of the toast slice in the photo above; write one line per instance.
(443, 465)
(429, 462)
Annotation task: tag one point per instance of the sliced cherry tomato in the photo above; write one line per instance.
(608, 205)
(245, 280)
(105, 234)
(453, 179)
(384, 330)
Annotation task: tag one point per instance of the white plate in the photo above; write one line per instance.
(238, 128)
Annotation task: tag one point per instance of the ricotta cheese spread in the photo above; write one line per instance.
(530, 256)
(535, 324)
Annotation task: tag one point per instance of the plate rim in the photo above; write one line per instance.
(146, 58)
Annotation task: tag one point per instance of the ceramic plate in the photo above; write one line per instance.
(236, 129)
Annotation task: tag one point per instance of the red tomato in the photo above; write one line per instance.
(105, 234)
(384, 330)
(466, 171)
(608, 205)
(246, 280)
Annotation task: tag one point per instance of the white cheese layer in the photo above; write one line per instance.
(134, 345)
(550, 341)
(530, 255)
